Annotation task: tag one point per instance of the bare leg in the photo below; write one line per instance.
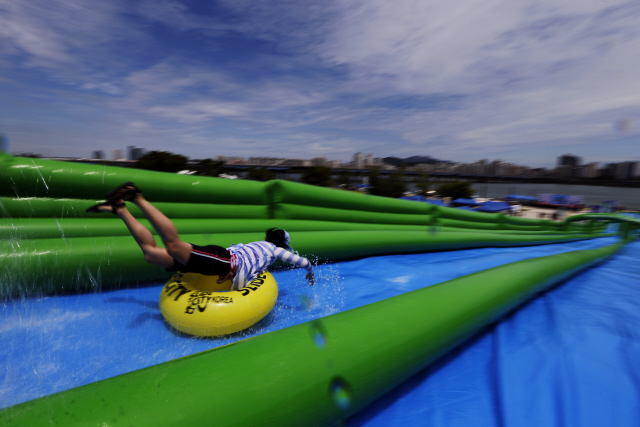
(177, 249)
(152, 253)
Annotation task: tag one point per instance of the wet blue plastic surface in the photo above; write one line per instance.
(568, 358)
(574, 346)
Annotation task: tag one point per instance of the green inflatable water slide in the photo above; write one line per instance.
(283, 378)
(50, 244)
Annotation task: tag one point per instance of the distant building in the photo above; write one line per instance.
(368, 160)
(134, 153)
(622, 170)
(496, 168)
(117, 155)
(98, 154)
(358, 161)
(563, 171)
(516, 170)
(569, 160)
(539, 172)
(265, 161)
(608, 171)
(590, 170)
(230, 160)
(479, 167)
(319, 161)
(294, 162)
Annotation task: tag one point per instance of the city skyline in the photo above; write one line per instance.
(567, 165)
(522, 83)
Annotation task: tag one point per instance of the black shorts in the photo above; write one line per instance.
(210, 260)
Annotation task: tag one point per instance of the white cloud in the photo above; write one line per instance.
(138, 124)
(109, 88)
(517, 74)
(198, 111)
(531, 74)
(51, 32)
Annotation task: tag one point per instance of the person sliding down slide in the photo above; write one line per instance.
(239, 263)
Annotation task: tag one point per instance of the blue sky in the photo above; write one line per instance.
(522, 81)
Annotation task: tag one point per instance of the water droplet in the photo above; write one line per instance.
(340, 392)
(318, 333)
(305, 302)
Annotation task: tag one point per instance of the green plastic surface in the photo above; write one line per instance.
(28, 177)
(302, 194)
(50, 244)
(65, 264)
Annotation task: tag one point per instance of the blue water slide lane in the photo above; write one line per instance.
(56, 343)
(567, 358)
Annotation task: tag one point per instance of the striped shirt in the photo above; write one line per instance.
(254, 258)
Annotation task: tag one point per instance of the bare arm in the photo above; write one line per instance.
(298, 261)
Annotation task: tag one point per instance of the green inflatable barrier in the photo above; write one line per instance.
(603, 217)
(506, 226)
(27, 177)
(313, 374)
(288, 211)
(301, 194)
(446, 222)
(50, 244)
(108, 225)
(506, 231)
(464, 215)
(525, 221)
(44, 266)
(48, 228)
(75, 208)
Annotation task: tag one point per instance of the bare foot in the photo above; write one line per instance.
(127, 191)
(109, 206)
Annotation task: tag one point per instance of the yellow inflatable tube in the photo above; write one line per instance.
(198, 305)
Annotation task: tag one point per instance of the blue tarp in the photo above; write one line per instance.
(414, 198)
(463, 201)
(436, 202)
(522, 198)
(491, 206)
(423, 199)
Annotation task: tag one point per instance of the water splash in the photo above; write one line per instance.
(340, 392)
(37, 168)
(434, 228)
(318, 333)
(305, 302)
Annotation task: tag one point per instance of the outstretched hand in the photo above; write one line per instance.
(311, 278)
